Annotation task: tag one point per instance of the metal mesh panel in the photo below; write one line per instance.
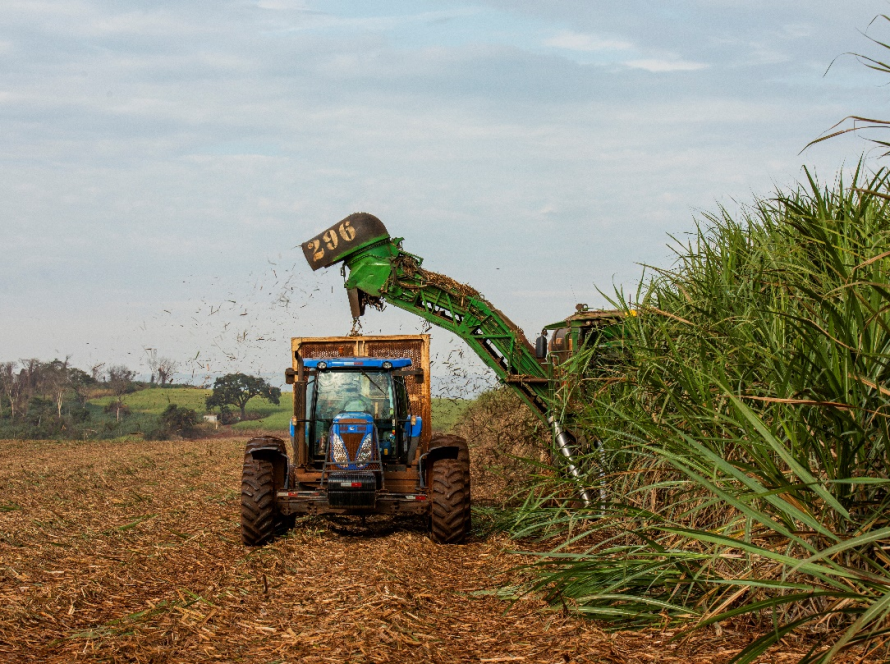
(321, 350)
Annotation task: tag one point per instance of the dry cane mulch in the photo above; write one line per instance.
(130, 552)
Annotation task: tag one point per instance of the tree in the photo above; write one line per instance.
(56, 382)
(165, 370)
(96, 371)
(11, 386)
(162, 368)
(81, 382)
(179, 420)
(237, 389)
(120, 379)
(152, 363)
(30, 382)
(51, 381)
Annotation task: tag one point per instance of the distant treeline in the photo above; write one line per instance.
(47, 399)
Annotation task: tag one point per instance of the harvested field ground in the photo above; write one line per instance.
(130, 552)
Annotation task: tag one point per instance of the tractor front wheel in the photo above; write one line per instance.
(449, 496)
(257, 501)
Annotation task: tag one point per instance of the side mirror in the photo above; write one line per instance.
(289, 376)
(541, 346)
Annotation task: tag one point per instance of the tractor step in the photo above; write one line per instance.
(355, 490)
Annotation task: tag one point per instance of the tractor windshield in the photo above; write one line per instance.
(336, 392)
(362, 391)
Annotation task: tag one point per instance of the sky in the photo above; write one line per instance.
(160, 163)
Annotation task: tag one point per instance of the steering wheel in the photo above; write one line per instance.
(358, 404)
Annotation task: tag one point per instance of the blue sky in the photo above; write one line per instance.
(160, 163)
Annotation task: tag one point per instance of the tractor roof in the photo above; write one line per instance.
(589, 318)
(357, 362)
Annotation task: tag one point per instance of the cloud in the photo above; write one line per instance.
(278, 5)
(146, 151)
(660, 65)
(582, 42)
(797, 30)
(579, 41)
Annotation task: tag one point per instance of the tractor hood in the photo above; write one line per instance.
(353, 442)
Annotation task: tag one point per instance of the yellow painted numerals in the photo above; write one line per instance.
(330, 239)
(316, 249)
(347, 232)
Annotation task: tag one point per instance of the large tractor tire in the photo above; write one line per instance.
(449, 495)
(463, 455)
(258, 513)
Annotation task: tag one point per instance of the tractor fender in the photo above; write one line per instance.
(435, 454)
(442, 452)
(270, 449)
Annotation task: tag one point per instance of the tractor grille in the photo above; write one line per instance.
(353, 441)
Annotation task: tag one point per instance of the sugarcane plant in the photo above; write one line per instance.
(746, 425)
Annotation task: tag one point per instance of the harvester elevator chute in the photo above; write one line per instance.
(379, 271)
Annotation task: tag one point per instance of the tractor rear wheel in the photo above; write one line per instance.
(258, 513)
(449, 495)
(463, 455)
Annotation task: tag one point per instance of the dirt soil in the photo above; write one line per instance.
(130, 552)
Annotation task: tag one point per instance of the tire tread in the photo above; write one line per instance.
(449, 496)
(257, 502)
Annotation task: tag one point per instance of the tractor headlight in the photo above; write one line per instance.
(338, 450)
(366, 449)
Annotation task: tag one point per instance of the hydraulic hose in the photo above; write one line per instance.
(566, 443)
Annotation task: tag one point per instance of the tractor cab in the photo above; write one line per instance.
(358, 414)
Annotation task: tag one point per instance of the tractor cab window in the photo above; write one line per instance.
(402, 398)
(335, 392)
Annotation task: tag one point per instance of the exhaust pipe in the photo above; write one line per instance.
(566, 444)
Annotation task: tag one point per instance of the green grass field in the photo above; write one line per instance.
(275, 418)
(154, 400)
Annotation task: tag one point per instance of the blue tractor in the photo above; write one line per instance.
(360, 443)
